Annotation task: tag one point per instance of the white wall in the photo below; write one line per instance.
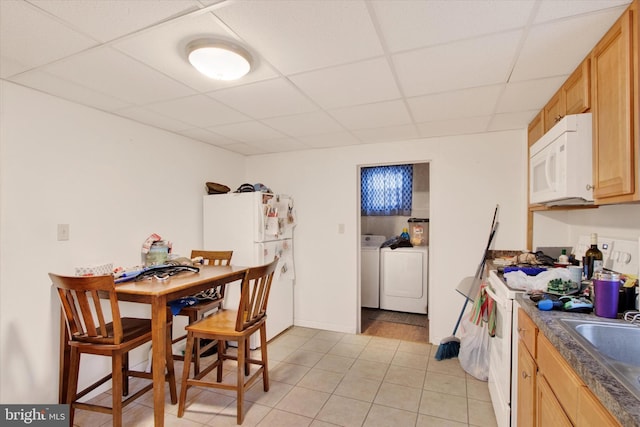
(114, 182)
(469, 175)
(558, 228)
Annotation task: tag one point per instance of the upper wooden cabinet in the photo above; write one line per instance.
(536, 129)
(574, 97)
(555, 110)
(577, 89)
(614, 65)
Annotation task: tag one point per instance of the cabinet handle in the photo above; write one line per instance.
(590, 187)
(525, 375)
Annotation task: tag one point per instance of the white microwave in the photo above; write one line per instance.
(560, 169)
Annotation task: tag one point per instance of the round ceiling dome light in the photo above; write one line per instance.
(219, 60)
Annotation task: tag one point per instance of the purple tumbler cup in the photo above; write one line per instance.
(606, 286)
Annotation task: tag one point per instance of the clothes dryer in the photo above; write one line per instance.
(404, 279)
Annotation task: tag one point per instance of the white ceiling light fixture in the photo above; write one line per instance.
(218, 59)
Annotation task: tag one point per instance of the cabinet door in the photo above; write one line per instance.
(535, 129)
(549, 412)
(577, 89)
(612, 74)
(526, 387)
(555, 110)
(591, 413)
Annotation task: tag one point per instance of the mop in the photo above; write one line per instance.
(450, 347)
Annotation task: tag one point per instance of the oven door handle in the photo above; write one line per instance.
(501, 302)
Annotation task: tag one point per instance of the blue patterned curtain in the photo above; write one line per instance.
(386, 190)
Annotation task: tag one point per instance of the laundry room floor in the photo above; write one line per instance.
(393, 324)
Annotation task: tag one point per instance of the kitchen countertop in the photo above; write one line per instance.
(614, 396)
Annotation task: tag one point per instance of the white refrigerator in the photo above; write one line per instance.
(257, 227)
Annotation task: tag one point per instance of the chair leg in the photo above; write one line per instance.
(193, 317)
(117, 362)
(265, 361)
(242, 345)
(247, 354)
(125, 374)
(185, 374)
(72, 388)
(171, 373)
(222, 351)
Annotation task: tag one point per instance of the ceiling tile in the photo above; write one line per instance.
(454, 127)
(511, 121)
(296, 36)
(30, 38)
(528, 95)
(337, 139)
(352, 84)
(198, 111)
(551, 10)
(387, 134)
(381, 114)
(152, 118)
(418, 23)
(106, 20)
(552, 49)
(269, 98)
(280, 145)
(207, 136)
(458, 65)
(304, 124)
(107, 70)
(59, 87)
(465, 103)
(248, 132)
(164, 48)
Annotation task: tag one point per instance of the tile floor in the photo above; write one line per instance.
(322, 378)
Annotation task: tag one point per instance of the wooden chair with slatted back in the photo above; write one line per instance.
(204, 306)
(234, 325)
(90, 332)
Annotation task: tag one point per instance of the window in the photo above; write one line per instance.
(386, 190)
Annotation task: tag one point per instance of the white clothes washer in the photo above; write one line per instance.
(370, 270)
(404, 279)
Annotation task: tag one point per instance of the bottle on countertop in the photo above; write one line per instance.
(563, 258)
(405, 234)
(592, 261)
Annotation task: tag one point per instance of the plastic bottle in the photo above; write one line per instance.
(405, 234)
(563, 258)
(592, 261)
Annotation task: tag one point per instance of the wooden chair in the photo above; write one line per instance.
(234, 325)
(198, 311)
(90, 333)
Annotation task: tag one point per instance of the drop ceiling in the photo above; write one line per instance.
(326, 73)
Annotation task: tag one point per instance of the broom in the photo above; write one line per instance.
(450, 346)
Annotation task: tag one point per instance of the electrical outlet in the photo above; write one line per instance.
(63, 232)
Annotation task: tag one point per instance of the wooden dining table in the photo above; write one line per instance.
(157, 293)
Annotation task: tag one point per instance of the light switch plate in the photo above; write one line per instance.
(63, 232)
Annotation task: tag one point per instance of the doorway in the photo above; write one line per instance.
(394, 322)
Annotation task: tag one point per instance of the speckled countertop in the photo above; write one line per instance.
(614, 396)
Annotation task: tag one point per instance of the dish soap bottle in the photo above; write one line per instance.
(405, 234)
(563, 258)
(592, 258)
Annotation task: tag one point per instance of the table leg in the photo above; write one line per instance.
(159, 334)
(65, 358)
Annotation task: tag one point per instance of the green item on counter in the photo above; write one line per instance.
(561, 286)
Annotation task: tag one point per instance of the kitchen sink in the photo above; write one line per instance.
(615, 345)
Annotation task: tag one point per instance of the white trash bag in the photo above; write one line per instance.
(474, 349)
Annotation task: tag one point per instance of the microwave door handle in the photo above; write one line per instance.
(547, 171)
